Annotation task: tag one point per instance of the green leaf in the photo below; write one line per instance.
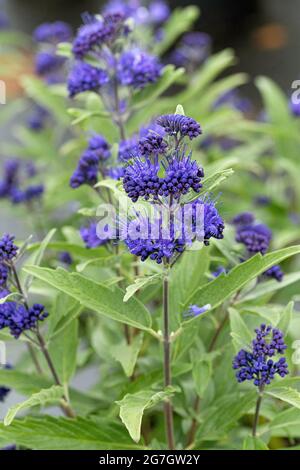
(132, 408)
(30, 383)
(127, 354)
(47, 396)
(286, 318)
(103, 300)
(202, 372)
(36, 258)
(48, 433)
(215, 424)
(254, 443)
(150, 93)
(224, 286)
(139, 283)
(241, 335)
(287, 394)
(63, 351)
(45, 96)
(180, 21)
(268, 287)
(211, 182)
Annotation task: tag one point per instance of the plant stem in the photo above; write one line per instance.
(168, 409)
(118, 118)
(65, 406)
(257, 409)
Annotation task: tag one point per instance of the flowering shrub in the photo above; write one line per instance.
(159, 229)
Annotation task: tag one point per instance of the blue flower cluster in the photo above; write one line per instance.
(16, 173)
(137, 68)
(85, 77)
(194, 48)
(155, 12)
(8, 250)
(56, 32)
(256, 364)
(121, 64)
(47, 62)
(97, 152)
(90, 237)
(256, 238)
(18, 318)
(38, 118)
(181, 174)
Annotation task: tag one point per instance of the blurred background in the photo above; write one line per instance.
(264, 33)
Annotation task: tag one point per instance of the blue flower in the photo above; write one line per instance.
(85, 77)
(47, 62)
(255, 365)
(256, 238)
(90, 237)
(137, 68)
(18, 318)
(8, 250)
(195, 310)
(58, 31)
(128, 149)
(178, 125)
(96, 33)
(86, 171)
(4, 272)
(244, 218)
(152, 144)
(193, 49)
(182, 174)
(220, 270)
(37, 119)
(99, 146)
(141, 179)
(116, 173)
(274, 272)
(213, 222)
(65, 257)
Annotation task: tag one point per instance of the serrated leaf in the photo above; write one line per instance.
(47, 396)
(132, 408)
(97, 297)
(49, 433)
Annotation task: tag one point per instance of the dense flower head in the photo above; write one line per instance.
(47, 62)
(178, 125)
(244, 218)
(18, 318)
(255, 365)
(256, 238)
(8, 250)
(99, 146)
(193, 49)
(4, 391)
(275, 272)
(141, 179)
(86, 171)
(90, 237)
(58, 31)
(96, 33)
(13, 185)
(85, 77)
(152, 144)
(137, 68)
(128, 149)
(156, 12)
(213, 224)
(182, 174)
(154, 242)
